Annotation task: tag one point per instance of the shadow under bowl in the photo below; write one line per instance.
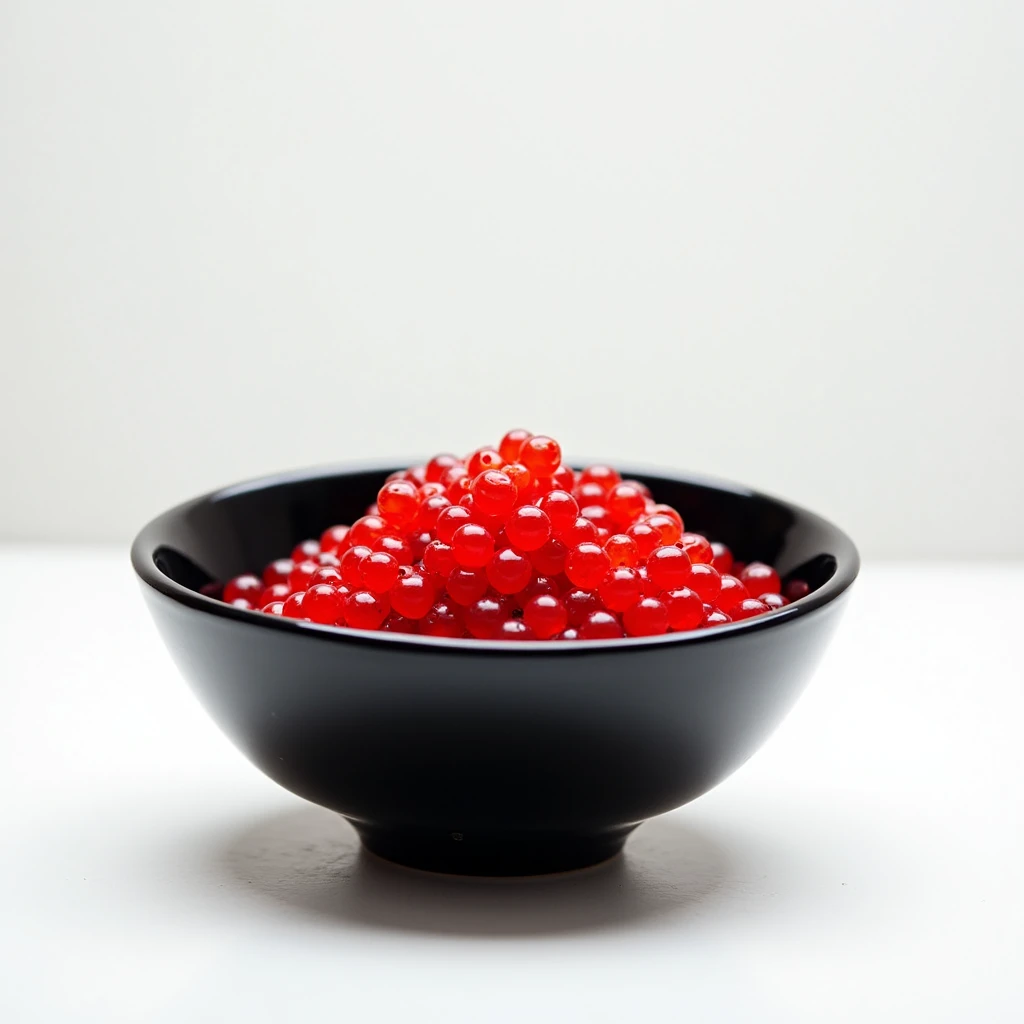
(485, 757)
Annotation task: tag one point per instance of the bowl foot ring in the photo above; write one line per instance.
(494, 855)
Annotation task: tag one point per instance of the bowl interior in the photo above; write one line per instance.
(242, 528)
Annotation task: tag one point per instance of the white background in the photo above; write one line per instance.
(775, 242)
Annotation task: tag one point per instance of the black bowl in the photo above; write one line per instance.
(485, 757)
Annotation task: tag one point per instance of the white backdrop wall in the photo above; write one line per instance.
(778, 242)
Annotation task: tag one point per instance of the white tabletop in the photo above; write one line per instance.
(865, 865)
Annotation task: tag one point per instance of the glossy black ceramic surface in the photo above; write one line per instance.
(482, 757)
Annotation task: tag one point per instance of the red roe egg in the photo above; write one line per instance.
(600, 625)
(563, 478)
(515, 629)
(540, 455)
(302, 574)
(603, 475)
(549, 558)
(493, 492)
(292, 608)
(600, 517)
(546, 615)
(625, 503)
(591, 494)
(322, 604)
(333, 539)
(685, 608)
(418, 544)
(668, 567)
(622, 550)
(511, 443)
(325, 574)
(748, 608)
(399, 548)
(667, 527)
(760, 579)
(521, 479)
(431, 490)
(457, 482)
(663, 510)
(648, 617)
(248, 587)
(621, 588)
(439, 558)
(731, 594)
(472, 546)
(721, 557)
(587, 564)
(351, 562)
(697, 547)
(276, 592)
(706, 581)
(561, 508)
(449, 520)
(537, 586)
(646, 538)
(528, 528)
(412, 596)
(465, 586)
(484, 617)
(305, 549)
(379, 572)
(651, 589)
(367, 530)
(399, 503)
(508, 571)
(441, 620)
(483, 459)
(438, 466)
(582, 531)
(430, 508)
(492, 524)
(365, 610)
(579, 604)
(278, 571)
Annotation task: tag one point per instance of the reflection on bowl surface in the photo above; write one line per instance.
(475, 756)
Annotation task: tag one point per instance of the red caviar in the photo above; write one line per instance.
(510, 543)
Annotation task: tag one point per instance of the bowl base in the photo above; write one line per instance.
(495, 855)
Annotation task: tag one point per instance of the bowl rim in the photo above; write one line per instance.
(147, 542)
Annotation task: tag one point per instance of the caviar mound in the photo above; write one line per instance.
(510, 543)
